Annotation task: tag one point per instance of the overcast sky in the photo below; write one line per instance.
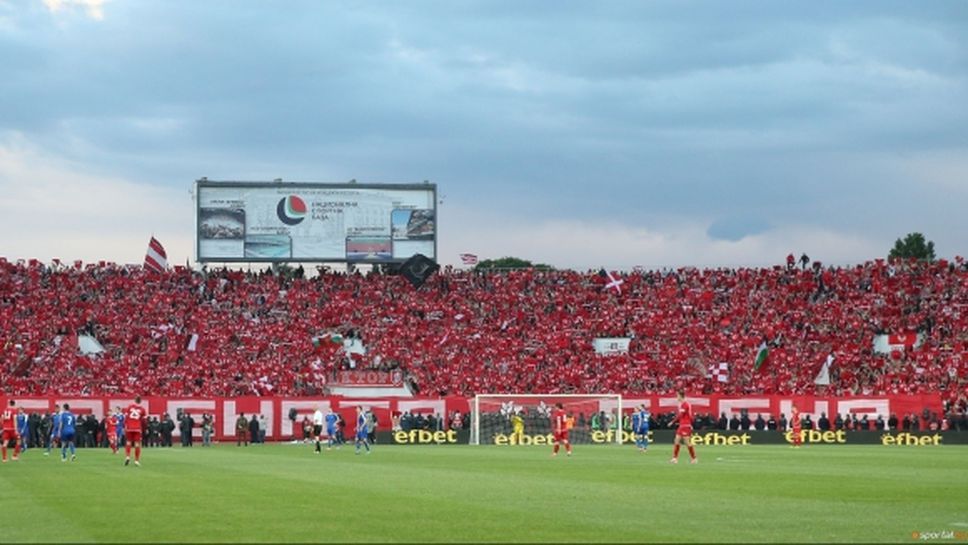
(581, 134)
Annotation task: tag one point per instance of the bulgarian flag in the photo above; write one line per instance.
(332, 337)
(762, 354)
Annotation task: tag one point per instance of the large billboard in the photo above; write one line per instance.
(276, 221)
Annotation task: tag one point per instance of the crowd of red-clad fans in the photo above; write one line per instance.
(466, 332)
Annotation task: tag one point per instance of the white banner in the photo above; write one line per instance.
(610, 346)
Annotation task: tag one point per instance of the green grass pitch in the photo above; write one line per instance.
(285, 493)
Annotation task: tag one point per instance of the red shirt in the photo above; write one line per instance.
(111, 426)
(560, 420)
(133, 416)
(795, 419)
(684, 418)
(9, 420)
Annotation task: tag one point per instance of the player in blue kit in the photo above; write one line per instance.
(640, 427)
(361, 430)
(22, 430)
(331, 429)
(54, 430)
(119, 418)
(67, 430)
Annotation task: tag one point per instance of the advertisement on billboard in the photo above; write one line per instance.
(275, 221)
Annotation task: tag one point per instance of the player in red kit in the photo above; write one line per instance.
(795, 427)
(560, 426)
(684, 431)
(9, 418)
(134, 417)
(111, 429)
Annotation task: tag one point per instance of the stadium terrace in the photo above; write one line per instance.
(229, 333)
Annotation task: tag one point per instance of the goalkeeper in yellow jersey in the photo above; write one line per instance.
(517, 428)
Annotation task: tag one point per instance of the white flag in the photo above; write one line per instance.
(193, 342)
(88, 345)
(823, 377)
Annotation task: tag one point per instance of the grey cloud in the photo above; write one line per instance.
(632, 111)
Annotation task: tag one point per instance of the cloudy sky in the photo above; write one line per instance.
(582, 134)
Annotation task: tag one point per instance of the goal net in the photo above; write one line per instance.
(596, 418)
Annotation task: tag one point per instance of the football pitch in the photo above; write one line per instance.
(285, 493)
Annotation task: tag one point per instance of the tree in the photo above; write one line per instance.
(914, 246)
(509, 263)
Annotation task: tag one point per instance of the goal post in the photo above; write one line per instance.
(596, 418)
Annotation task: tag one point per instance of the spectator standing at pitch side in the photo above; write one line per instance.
(208, 425)
(241, 431)
(254, 430)
(188, 428)
(759, 424)
(807, 422)
(340, 429)
(371, 423)
(166, 428)
(838, 422)
(36, 433)
(307, 428)
(771, 423)
(823, 423)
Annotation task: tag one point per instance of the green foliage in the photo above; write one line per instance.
(284, 493)
(914, 246)
(510, 263)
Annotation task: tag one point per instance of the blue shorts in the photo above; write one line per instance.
(331, 432)
(361, 435)
(67, 437)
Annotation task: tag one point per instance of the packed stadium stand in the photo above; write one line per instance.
(466, 332)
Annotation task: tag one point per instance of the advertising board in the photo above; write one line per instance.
(313, 222)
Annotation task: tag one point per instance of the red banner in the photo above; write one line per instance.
(281, 428)
(767, 405)
(226, 411)
(385, 379)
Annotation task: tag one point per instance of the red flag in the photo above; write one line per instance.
(156, 259)
(906, 339)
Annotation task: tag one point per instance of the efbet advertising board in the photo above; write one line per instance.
(309, 222)
(893, 438)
